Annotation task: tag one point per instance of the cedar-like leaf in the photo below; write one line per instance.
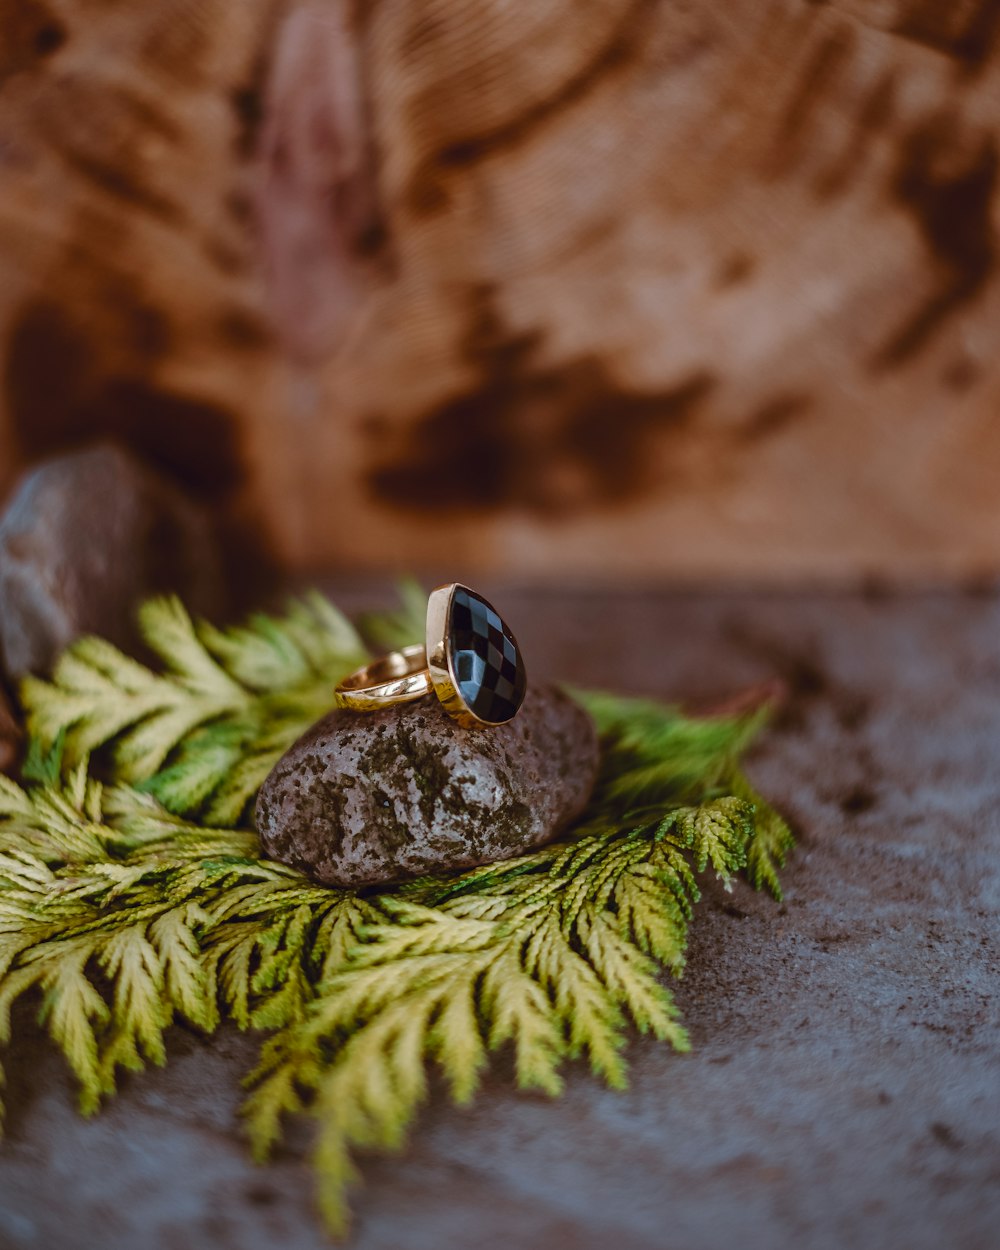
(201, 733)
(129, 904)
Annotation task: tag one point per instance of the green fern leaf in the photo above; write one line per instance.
(204, 732)
(125, 906)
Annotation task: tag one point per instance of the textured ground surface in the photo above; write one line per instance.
(845, 1083)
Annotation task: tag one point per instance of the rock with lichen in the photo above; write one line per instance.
(85, 537)
(367, 798)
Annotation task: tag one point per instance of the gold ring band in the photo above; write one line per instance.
(470, 660)
(398, 677)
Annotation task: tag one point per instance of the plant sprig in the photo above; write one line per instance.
(133, 894)
(204, 731)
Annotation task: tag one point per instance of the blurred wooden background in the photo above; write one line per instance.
(636, 287)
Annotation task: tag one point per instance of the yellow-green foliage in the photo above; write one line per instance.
(203, 731)
(132, 902)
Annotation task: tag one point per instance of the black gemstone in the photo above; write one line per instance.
(485, 660)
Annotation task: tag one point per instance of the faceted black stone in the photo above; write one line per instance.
(486, 661)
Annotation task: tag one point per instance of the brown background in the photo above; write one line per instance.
(613, 287)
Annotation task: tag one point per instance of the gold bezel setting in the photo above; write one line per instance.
(441, 658)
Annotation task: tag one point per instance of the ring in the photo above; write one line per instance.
(469, 659)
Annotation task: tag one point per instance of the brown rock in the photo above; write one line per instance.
(9, 735)
(85, 537)
(367, 798)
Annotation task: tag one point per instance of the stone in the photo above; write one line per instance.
(10, 735)
(85, 537)
(368, 798)
(487, 661)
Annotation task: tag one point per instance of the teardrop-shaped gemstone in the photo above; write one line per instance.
(485, 659)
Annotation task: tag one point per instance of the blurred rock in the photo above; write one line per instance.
(9, 735)
(372, 797)
(84, 538)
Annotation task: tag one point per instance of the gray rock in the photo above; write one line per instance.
(85, 537)
(368, 798)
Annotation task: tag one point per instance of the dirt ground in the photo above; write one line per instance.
(844, 1087)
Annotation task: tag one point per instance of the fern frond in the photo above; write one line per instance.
(772, 838)
(128, 904)
(104, 888)
(74, 1012)
(631, 979)
(548, 957)
(202, 732)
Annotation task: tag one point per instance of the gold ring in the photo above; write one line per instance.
(470, 660)
(396, 678)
